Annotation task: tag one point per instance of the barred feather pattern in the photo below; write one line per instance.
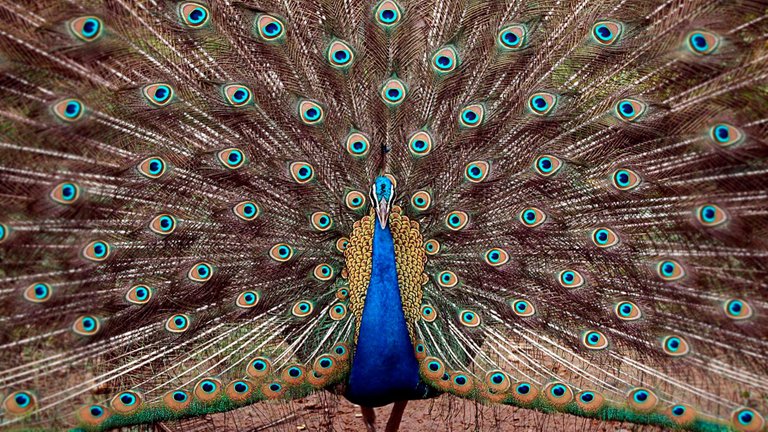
(607, 161)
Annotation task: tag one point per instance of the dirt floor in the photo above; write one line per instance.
(324, 412)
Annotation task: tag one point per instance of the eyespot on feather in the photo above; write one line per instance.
(69, 110)
(270, 28)
(302, 172)
(420, 144)
(159, 94)
(96, 251)
(471, 116)
(65, 193)
(207, 390)
(193, 14)
(281, 252)
(177, 400)
(512, 37)
(200, 272)
(126, 402)
(246, 210)
(87, 28)
(178, 323)
(152, 167)
(38, 292)
(388, 14)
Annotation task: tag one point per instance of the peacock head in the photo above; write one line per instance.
(382, 194)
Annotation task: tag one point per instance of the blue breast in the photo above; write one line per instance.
(384, 367)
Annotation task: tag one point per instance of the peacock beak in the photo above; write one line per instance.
(382, 212)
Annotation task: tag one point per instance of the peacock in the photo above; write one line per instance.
(559, 205)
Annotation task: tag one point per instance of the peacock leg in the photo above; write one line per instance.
(393, 424)
(369, 418)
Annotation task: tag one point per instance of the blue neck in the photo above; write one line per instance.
(384, 366)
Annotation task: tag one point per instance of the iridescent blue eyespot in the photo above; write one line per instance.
(388, 14)
(547, 165)
(702, 42)
(606, 32)
(68, 110)
(180, 396)
(445, 60)
(193, 14)
(87, 28)
(270, 28)
(512, 37)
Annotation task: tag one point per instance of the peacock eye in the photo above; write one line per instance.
(447, 279)
(65, 193)
(589, 401)
(323, 272)
(357, 144)
(354, 200)
(87, 28)
(642, 399)
(5, 231)
(388, 14)
(139, 294)
(238, 95)
(675, 345)
(670, 270)
(420, 144)
(456, 220)
(558, 393)
(232, 158)
(421, 200)
(445, 60)
(93, 415)
(269, 27)
(606, 32)
(625, 179)
(726, 135)
(477, 171)
(177, 323)
(393, 92)
(428, 313)
(311, 113)
(152, 167)
(630, 109)
(737, 309)
(570, 278)
(523, 308)
(97, 251)
(200, 272)
(702, 42)
(512, 37)
(302, 308)
(68, 110)
(302, 172)
(338, 312)
(604, 237)
(542, 103)
(19, 403)
(711, 215)
(207, 389)
(469, 318)
(321, 221)
(747, 419)
(594, 340)
(547, 165)
(158, 95)
(432, 247)
(471, 116)
(532, 217)
(177, 400)
(341, 244)
(248, 299)
(281, 252)
(163, 224)
(627, 311)
(126, 402)
(340, 54)
(86, 325)
(259, 367)
(194, 14)
(496, 257)
(38, 292)
(246, 210)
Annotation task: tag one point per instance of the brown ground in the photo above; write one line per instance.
(324, 412)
